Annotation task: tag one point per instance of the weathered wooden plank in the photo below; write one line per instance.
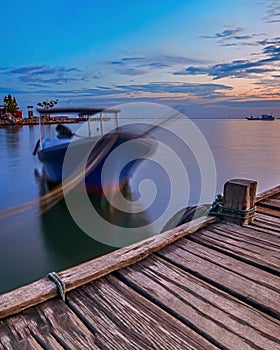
(228, 322)
(268, 193)
(267, 218)
(250, 234)
(52, 325)
(10, 339)
(124, 319)
(44, 289)
(274, 200)
(270, 203)
(258, 244)
(270, 228)
(268, 211)
(264, 258)
(240, 279)
(276, 195)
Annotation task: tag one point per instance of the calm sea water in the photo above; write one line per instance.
(33, 244)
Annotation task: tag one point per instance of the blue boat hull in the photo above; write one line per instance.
(53, 157)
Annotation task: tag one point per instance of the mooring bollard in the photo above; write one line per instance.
(239, 201)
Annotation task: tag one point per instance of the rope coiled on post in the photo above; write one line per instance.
(218, 209)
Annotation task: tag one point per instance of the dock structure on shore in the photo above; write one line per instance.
(212, 283)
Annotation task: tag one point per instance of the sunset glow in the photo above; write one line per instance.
(222, 54)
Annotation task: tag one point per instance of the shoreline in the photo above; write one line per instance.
(35, 121)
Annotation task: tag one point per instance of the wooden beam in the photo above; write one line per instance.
(44, 289)
(268, 193)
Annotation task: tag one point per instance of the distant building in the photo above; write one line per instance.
(18, 114)
(2, 110)
(30, 111)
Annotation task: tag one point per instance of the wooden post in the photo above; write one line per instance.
(239, 201)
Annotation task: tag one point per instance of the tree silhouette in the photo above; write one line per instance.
(10, 104)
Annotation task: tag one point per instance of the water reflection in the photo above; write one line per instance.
(66, 242)
(13, 136)
(33, 245)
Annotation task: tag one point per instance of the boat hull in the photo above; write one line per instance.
(263, 117)
(92, 155)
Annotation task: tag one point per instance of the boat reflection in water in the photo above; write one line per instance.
(68, 244)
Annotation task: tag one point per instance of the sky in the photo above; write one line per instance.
(208, 58)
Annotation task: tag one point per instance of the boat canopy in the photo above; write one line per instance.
(87, 112)
(78, 110)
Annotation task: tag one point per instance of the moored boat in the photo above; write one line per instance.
(70, 157)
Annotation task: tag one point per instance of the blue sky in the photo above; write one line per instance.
(214, 58)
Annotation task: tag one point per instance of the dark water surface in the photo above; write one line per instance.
(33, 244)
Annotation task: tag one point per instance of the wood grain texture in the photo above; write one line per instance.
(269, 228)
(228, 322)
(268, 193)
(51, 325)
(239, 194)
(266, 224)
(268, 211)
(44, 289)
(10, 339)
(250, 284)
(268, 219)
(252, 234)
(123, 319)
(277, 195)
(272, 203)
(251, 251)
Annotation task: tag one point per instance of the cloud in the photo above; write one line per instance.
(98, 75)
(271, 41)
(201, 90)
(151, 90)
(156, 90)
(238, 68)
(132, 71)
(143, 65)
(273, 13)
(43, 70)
(227, 33)
(44, 75)
(273, 51)
(231, 37)
(26, 70)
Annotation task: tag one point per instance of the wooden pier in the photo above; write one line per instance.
(212, 283)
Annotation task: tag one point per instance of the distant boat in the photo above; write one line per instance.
(263, 117)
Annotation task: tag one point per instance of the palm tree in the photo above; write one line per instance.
(47, 104)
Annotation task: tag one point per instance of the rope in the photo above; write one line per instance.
(59, 283)
(219, 210)
(243, 213)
